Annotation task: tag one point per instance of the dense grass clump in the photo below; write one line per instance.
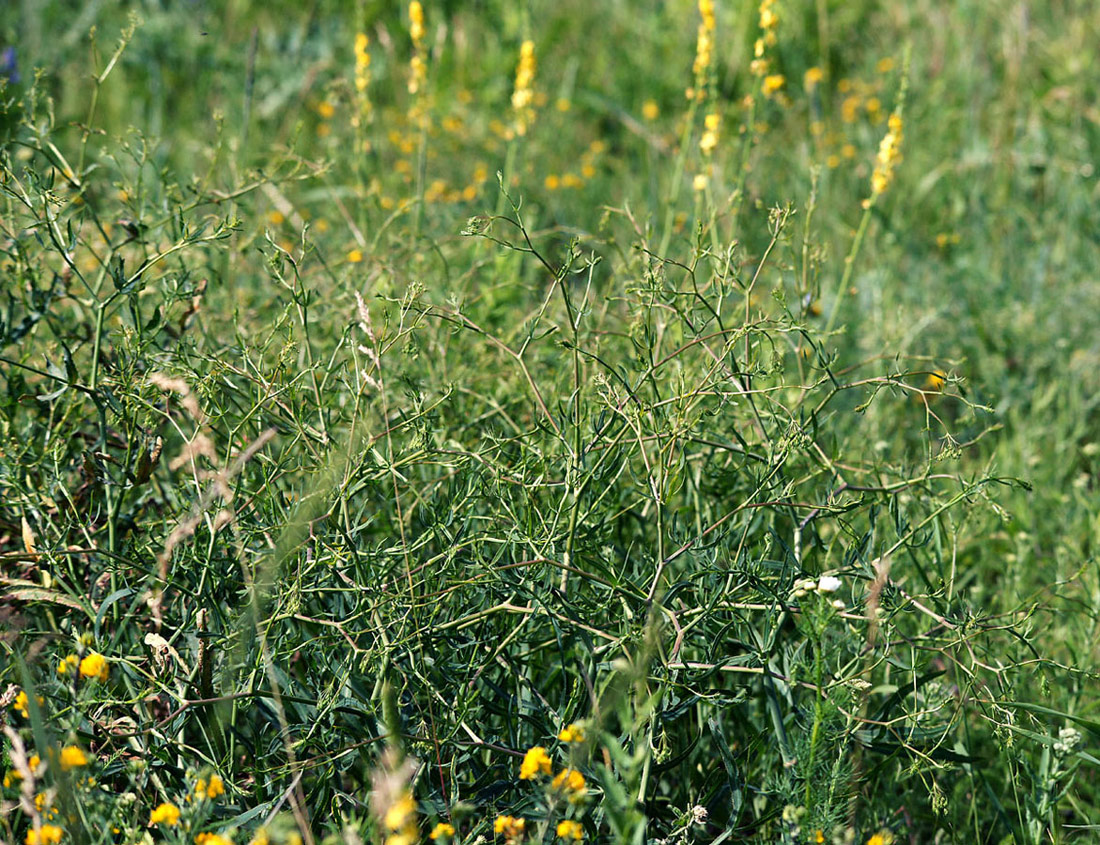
(631, 422)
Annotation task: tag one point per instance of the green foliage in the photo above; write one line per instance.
(367, 470)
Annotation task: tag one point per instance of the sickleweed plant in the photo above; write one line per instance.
(427, 424)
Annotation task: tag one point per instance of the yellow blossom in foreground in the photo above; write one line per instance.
(168, 814)
(570, 830)
(510, 827)
(650, 110)
(72, 758)
(535, 761)
(573, 733)
(20, 704)
(402, 811)
(94, 665)
(48, 834)
(442, 831)
(212, 839)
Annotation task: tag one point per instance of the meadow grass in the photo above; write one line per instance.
(629, 422)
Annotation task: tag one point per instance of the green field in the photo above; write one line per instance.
(630, 422)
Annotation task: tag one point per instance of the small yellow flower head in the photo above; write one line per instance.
(20, 704)
(94, 665)
(572, 782)
(570, 830)
(401, 813)
(813, 78)
(885, 65)
(699, 183)
(72, 758)
(510, 827)
(441, 831)
(536, 761)
(773, 83)
(165, 813)
(68, 665)
(212, 839)
(552, 182)
(211, 788)
(650, 110)
(819, 836)
(877, 839)
(47, 834)
(573, 733)
(355, 256)
(935, 381)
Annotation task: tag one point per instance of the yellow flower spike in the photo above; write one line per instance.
(165, 813)
(72, 758)
(523, 95)
(94, 665)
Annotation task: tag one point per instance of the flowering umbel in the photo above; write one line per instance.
(523, 96)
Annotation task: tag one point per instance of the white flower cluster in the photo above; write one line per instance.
(825, 585)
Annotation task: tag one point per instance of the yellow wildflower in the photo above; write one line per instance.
(212, 839)
(510, 827)
(165, 813)
(20, 704)
(442, 831)
(416, 21)
(355, 256)
(571, 781)
(48, 834)
(704, 47)
(812, 78)
(570, 830)
(650, 110)
(889, 153)
(72, 758)
(877, 839)
(885, 65)
(402, 811)
(95, 666)
(772, 83)
(68, 664)
(523, 95)
(535, 761)
(699, 182)
(573, 733)
(552, 182)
